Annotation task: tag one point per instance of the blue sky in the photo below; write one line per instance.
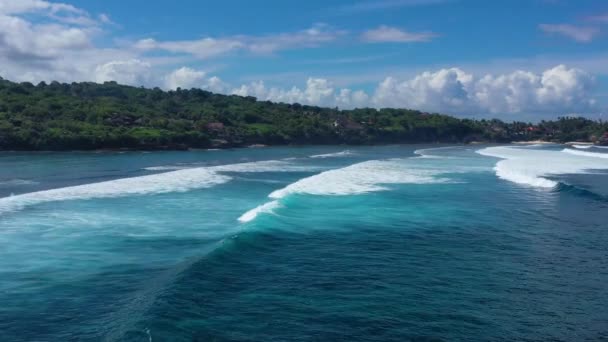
(515, 59)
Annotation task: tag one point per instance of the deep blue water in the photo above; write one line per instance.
(393, 243)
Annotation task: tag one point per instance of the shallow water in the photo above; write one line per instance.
(390, 243)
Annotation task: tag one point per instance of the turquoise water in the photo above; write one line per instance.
(393, 243)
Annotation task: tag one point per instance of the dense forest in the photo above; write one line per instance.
(88, 116)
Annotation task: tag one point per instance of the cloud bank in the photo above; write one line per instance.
(556, 90)
(45, 41)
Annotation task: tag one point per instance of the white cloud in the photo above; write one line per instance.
(28, 6)
(312, 37)
(61, 12)
(61, 47)
(185, 78)
(385, 34)
(558, 90)
(577, 33)
(202, 48)
(602, 18)
(216, 85)
(132, 72)
(21, 39)
(211, 47)
(318, 91)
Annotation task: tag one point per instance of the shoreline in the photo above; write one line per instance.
(542, 142)
(262, 146)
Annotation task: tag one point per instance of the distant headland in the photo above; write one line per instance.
(90, 116)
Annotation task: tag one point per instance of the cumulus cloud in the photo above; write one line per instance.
(577, 33)
(386, 34)
(556, 90)
(559, 90)
(28, 6)
(187, 78)
(21, 39)
(132, 72)
(318, 91)
(60, 47)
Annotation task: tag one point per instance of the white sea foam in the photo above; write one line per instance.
(166, 168)
(16, 182)
(264, 208)
(586, 153)
(333, 155)
(359, 178)
(427, 152)
(259, 166)
(369, 176)
(174, 181)
(586, 147)
(531, 167)
(582, 147)
(264, 166)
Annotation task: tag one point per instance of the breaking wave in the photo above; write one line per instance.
(586, 153)
(359, 178)
(532, 167)
(264, 208)
(582, 147)
(364, 177)
(428, 152)
(176, 181)
(181, 180)
(333, 155)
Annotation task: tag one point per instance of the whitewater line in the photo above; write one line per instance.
(532, 167)
(181, 180)
(586, 153)
(360, 178)
(333, 155)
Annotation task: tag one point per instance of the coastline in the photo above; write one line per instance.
(543, 142)
(262, 146)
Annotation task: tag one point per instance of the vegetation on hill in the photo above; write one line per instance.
(85, 116)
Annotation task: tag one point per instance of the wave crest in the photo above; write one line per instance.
(586, 153)
(333, 155)
(264, 208)
(532, 167)
(181, 180)
(359, 178)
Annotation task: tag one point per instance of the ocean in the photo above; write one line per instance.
(384, 243)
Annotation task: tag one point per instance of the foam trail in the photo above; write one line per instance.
(586, 154)
(16, 182)
(333, 155)
(531, 167)
(264, 208)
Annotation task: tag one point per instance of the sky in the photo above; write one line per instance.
(509, 59)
